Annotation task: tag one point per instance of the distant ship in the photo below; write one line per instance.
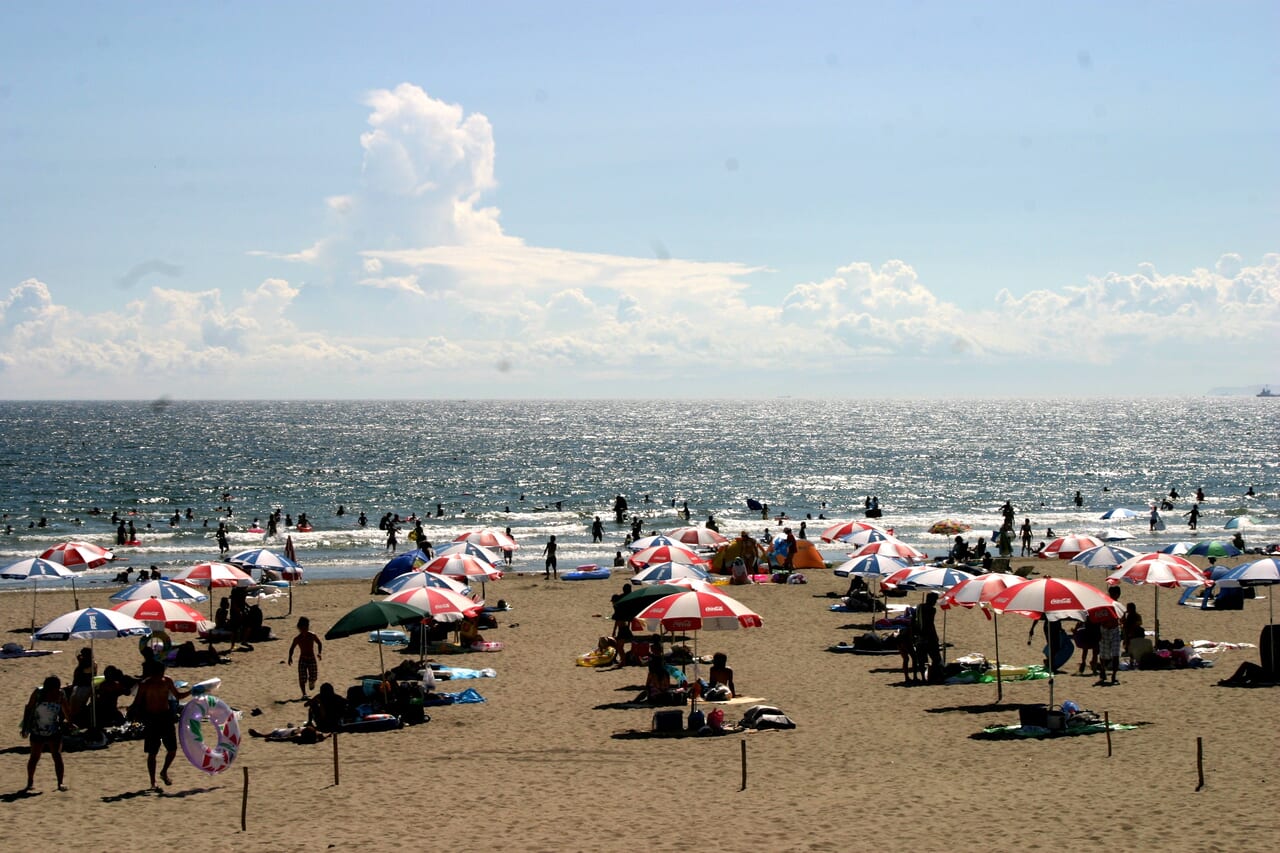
(1266, 392)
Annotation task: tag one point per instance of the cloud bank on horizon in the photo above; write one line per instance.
(464, 309)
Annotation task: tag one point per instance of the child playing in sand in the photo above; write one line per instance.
(309, 654)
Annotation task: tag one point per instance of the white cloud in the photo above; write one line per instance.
(518, 320)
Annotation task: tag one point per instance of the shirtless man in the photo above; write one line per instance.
(159, 726)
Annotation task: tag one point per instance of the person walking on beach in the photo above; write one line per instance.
(309, 650)
(159, 724)
(43, 721)
(550, 552)
(1027, 550)
(1110, 638)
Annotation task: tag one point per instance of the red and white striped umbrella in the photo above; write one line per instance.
(471, 549)
(173, 615)
(698, 536)
(1066, 547)
(462, 566)
(78, 556)
(213, 575)
(665, 554)
(489, 537)
(891, 548)
(1053, 599)
(844, 528)
(1158, 569)
(978, 590)
(694, 611)
(442, 605)
(663, 572)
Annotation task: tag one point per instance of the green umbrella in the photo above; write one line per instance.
(374, 616)
(629, 606)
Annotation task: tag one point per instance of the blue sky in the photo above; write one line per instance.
(587, 199)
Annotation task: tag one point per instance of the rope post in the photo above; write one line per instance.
(244, 801)
(1200, 762)
(743, 742)
(335, 759)
(1106, 721)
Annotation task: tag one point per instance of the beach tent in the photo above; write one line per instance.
(722, 560)
(806, 557)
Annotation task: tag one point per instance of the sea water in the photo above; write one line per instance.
(547, 468)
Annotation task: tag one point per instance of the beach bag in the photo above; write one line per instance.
(716, 718)
(668, 722)
(697, 720)
(774, 721)
(755, 712)
(717, 693)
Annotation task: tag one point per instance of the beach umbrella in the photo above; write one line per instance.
(1238, 522)
(400, 564)
(1213, 548)
(657, 540)
(1158, 570)
(210, 575)
(665, 554)
(694, 583)
(892, 548)
(78, 556)
(978, 591)
(167, 590)
(374, 616)
(1066, 547)
(468, 549)
(1101, 557)
(870, 566)
(1053, 599)
(696, 611)
(949, 527)
(289, 551)
(489, 537)
(92, 624)
(663, 572)
(32, 569)
(441, 605)
(462, 566)
(865, 537)
(418, 580)
(844, 528)
(264, 558)
(1264, 572)
(703, 537)
(165, 613)
(1111, 534)
(629, 605)
(1178, 548)
(933, 577)
(1120, 512)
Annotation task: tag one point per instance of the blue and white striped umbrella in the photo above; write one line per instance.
(33, 568)
(92, 624)
(1103, 557)
(420, 580)
(1177, 548)
(1238, 522)
(1120, 512)
(1262, 572)
(660, 572)
(264, 558)
(858, 538)
(934, 577)
(870, 566)
(167, 590)
(654, 541)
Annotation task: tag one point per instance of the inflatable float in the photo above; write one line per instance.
(590, 572)
(155, 645)
(598, 657)
(255, 530)
(486, 646)
(218, 756)
(388, 637)
(303, 528)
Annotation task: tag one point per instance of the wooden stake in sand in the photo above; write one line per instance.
(335, 758)
(1200, 762)
(244, 800)
(1106, 721)
(744, 764)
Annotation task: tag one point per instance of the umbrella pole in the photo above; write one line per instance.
(995, 626)
(93, 690)
(1157, 617)
(1049, 659)
(34, 584)
(290, 613)
(75, 596)
(381, 666)
(944, 639)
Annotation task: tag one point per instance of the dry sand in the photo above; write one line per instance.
(872, 765)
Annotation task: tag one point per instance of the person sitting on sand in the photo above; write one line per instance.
(469, 633)
(721, 675)
(326, 710)
(292, 734)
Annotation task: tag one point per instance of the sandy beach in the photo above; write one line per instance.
(872, 765)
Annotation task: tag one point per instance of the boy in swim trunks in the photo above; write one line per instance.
(309, 653)
(158, 723)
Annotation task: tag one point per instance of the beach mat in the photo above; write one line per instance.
(1037, 733)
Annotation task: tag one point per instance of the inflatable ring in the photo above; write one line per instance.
(191, 734)
(147, 645)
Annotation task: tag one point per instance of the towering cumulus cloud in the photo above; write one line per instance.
(424, 294)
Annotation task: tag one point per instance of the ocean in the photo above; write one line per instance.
(547, 468)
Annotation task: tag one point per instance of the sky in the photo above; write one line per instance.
(594, 200)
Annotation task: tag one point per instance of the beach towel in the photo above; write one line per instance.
(466, 697)
(1038, 733)
(13, 650)
(457, 673)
